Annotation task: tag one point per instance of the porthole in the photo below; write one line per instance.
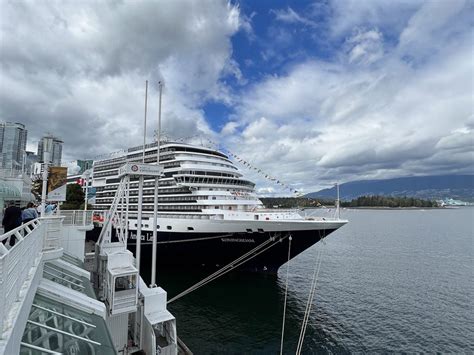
(169, 227)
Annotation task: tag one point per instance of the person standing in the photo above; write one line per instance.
(29, 213)
(50, 208)
(11, 220)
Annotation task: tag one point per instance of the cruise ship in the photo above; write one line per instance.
(209, 215)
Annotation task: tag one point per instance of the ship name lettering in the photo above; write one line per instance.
(237, 240)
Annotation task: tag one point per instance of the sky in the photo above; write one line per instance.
(308, 92)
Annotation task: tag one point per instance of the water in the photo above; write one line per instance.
(390, 281)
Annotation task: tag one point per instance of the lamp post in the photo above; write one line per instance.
(87, 175)
(47, 145)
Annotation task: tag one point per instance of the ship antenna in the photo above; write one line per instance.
(155, 204)
(144, 124)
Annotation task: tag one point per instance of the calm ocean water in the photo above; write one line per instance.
(390, 281)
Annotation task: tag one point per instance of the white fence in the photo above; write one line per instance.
(77, 217)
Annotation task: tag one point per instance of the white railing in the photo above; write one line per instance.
(52, 232)
(77, 217)
(31, 240)
(16, 262)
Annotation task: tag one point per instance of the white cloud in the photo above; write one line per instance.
(395, 99)
(365, 47)
(391, 15)
(407, 114)
(459, 139)
(430, 22)
(72, 168)
(266, 191)
(229, 128)
(291, 16)
(78, 70)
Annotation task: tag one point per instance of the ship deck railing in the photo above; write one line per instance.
(99, 215)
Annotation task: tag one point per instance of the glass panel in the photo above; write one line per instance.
(123, 283)
(69, 279)
(83, 339)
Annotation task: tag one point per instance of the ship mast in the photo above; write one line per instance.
(144, 124)
(155, 204)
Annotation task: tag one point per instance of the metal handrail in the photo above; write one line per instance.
(32, 239)
(19, 232)
(15, 264)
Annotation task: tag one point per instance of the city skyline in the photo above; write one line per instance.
(15, 156)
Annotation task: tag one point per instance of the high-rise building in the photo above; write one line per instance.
(12, 145)
(84, 165)
(31, 159)
(56, 149)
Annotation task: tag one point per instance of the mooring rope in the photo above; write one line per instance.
(309, 303)
(236, 263)
(286, 295)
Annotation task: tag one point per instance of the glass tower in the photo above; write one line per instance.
(12, 145)
(56, 150)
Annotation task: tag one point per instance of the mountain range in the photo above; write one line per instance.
(458, 187)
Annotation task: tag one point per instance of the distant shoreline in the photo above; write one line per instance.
(397, 208)
(387, 208)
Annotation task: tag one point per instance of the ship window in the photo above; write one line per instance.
(190, 228)
(249, 230)
(169, 227)
(213, 197)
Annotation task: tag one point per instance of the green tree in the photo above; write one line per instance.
(74, 197)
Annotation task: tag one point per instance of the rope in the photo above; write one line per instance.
(286, 295)
(309, 303)
(222, 271)
(192, 288)
(236, 263)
